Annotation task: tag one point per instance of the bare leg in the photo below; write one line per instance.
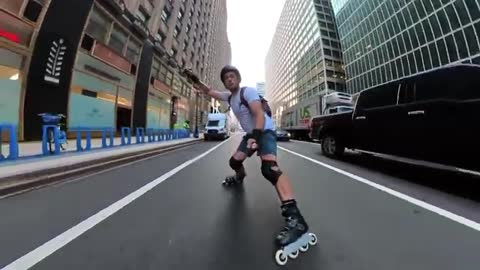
(240, 156)
(283, 186)
(237, 166)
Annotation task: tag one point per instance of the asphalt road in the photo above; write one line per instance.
(146, 216)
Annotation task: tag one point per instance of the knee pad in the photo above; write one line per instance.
(235, 164)
(271, 171)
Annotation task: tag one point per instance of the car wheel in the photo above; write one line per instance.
(332, 147)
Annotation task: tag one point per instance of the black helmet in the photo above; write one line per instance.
(227, 69)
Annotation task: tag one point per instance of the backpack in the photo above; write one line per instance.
(243, 101)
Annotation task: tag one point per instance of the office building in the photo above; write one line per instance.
(19, 23)
(125, 72)
(385, 40)
(304, 60)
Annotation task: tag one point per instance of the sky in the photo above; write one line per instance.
(251, 25)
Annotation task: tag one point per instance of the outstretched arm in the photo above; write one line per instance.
(211, 92)
(202, 87)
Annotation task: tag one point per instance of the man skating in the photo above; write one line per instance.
(260, 137)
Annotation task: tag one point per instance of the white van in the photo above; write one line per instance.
(218, 126)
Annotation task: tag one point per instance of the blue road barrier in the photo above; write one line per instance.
(111, 133)
(126, 135)
(151, 135)
(88, 137)
(160, 135)
(13, 142)
(56, 139)
(139, 135)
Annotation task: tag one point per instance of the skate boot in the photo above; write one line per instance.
(233, 180)
(294, 237)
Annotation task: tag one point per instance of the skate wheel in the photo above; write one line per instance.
(304, 248)
(280, 258)
(294, 255)
(313, 239)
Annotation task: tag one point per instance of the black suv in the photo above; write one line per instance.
(430, 116)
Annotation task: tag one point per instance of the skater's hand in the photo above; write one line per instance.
(251, 146)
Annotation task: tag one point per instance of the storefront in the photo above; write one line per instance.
(104, 75)
(182, 90)
(19, 19)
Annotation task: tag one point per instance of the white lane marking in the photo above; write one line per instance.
(420, 163)
(299, 141)
(35, 256)
(467, 222)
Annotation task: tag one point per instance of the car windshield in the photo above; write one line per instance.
(346, 109)
(213, 123)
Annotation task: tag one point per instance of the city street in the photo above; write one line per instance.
(171, 212)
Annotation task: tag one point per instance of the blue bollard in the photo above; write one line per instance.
(160, 135)
(56, 136)
(150, 135)
(128, 134)
(13, 143)
(140, 135)
(88, 138)
(110, 132)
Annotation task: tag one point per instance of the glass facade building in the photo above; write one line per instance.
(304, 60)
(385, 40)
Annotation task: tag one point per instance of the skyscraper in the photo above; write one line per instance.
(304, 61)
(384, 40)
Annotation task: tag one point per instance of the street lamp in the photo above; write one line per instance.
(195, 134)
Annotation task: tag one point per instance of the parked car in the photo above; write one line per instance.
(283, 135)
(431, 116)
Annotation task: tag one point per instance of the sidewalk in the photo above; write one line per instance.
(31, 160)
(35, 148)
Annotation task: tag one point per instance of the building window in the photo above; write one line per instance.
(118, 39)
(99, 25)
(165, 14)
(133, 50)
(13, 6)
(452, 16)
(176, 31)
(471, 40)
(180, 15)
(142, 15)
(15, 30)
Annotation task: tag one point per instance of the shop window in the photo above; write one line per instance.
(11, 76)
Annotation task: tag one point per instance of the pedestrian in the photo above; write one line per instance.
(261, 137)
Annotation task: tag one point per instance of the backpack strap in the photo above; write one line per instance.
(243, 100)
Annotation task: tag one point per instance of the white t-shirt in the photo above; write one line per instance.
(242, 113)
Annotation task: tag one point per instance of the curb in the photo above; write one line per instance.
(21, 182)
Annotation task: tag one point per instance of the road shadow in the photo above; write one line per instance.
(457, 183)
